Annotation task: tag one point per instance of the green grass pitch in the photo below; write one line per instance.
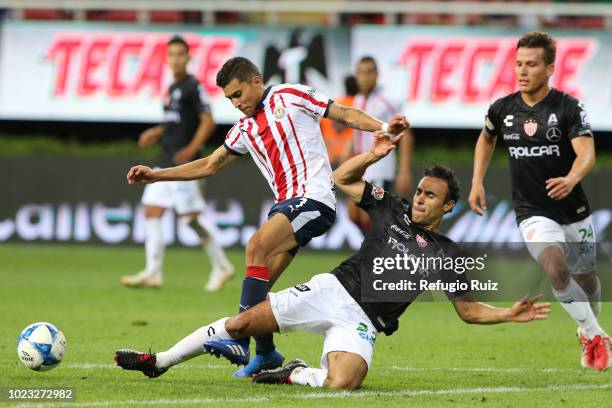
(434, 360)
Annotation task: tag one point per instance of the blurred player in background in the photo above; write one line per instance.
(387, 173)
(281, 132)
(551, 149)
(337, 136)
(188, 123)
(331, 304)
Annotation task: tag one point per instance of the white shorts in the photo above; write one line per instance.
(577, 241)
(183, 196)
(322, 305)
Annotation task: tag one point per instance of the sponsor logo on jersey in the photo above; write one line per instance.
(512, 136)
(177, 93)
(534, 151)
(362, 327)
(530, 127)
(489, 124)
(508, 120)
(302, 288)
(553, 134)
(407, 219)
(400, 231)
(421, 241)
(279, 113)
(378, 192)
(552, 120)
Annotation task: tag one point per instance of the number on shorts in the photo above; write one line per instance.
(586, 233)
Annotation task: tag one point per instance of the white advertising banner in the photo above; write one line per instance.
(117, 72)
(448, 76)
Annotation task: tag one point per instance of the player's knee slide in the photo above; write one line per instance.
(342, 382)
(236, 327)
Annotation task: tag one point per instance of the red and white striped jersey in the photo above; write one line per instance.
(284, 139)
(377, 105)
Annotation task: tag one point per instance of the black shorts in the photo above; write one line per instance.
(309, 218)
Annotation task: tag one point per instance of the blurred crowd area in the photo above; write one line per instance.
(527, 21)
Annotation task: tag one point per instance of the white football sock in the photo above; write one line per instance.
(214, 251)
(575, 302)
(154, 246)
(595, 298)
(315, 377)
(193, 344)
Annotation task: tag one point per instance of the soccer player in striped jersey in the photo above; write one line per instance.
(280, 130)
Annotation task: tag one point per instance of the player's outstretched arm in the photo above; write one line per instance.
(357, 119)
(485, 146)
(403, 178)
(348, 177)
(206, 167)
(524, 310)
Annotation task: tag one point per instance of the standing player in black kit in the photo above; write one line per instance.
(188, 123)
(551, 149)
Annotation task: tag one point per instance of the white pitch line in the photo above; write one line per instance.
(481, 369)
(90, 366)
(455, 391)
(329, 395)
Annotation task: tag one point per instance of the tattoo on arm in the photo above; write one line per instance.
(347, 122)
(222, 158)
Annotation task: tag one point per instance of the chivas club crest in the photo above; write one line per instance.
(530, 126)
(279, 113)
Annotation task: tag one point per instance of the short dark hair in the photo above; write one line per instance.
(239, 68)
(177, 39)
(371, 60)
(538, 39)
(446, 174)
(350, 86)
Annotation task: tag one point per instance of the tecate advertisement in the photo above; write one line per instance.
(449, 76)
(106, 72)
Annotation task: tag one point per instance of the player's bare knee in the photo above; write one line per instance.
(553, 263)
(256, 250)
(343, 382)
(237, 327)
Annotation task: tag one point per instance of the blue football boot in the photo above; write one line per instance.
(236, 351)
(261, 362)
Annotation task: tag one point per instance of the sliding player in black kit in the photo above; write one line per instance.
(551, 149)
(334, 305)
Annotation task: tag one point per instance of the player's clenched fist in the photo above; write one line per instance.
(398, 124)
(140, 174)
